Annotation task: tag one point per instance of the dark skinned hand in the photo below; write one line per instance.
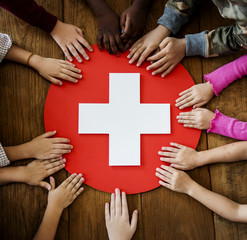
(132, 23)
(109, 33)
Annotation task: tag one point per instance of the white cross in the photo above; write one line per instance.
(124, 119)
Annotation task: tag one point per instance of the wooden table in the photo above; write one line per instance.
(162, 214)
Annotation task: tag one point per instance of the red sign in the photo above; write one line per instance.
(90, 155)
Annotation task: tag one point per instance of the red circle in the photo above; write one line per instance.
(90, 153)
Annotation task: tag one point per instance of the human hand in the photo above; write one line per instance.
(109, 33)
(199, 118)
(196, 96)
(55, 70)
(147, 44)
(117, 218)
(133, 23)
(172, 51)
(37, 170)
(70, 39)
(180, 157)
(45, 147)
(62, 196)
(174, 179)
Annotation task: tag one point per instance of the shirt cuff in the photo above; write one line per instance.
(172, 19)
(4, 161)
(5, 45)
(196, 44)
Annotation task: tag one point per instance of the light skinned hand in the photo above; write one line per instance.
(71, 40)
(132, 23)
(172, 51)
(38, 170)
(62, 196)
(46, 147)
(55, 70)
(180, 156)
(174, 179)
(109, 33)
(199, 118)
(196, 96)
(147, 44)
(117, 218)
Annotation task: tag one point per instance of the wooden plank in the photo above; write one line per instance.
(226, 179)
(22, 98)
(169, 215)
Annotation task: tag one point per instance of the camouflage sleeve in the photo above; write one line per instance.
(177, 13)
(217, 42)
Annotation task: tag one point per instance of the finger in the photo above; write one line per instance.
(190, 126)
(81, 50)
(107, 43)
(48, 161)
(162, 177)
(54, 81)
(83, 41)
(66, 53)
(77, 186)
(66, 62)
(60, 151)
(186, 121)
(164, 173)
(122, 21)
(187, 113)
(167, 185)
(72, 184)
(157, 64)
(186, 95)
(60, 140)
(71, 68)
(127, 30)
(119, 43)
(112, 205)
(45, 185)
(200, 104)
(66, 182)
(113, 45)
(52, 183)
(185, 91)
(125, 211)
(129, 43)
(48, 134)
(143, 57)
(67, 78)
(185, 100)
(178, 166)
(99, 41)
(161, 69)
(177, 145)
(135, 45)
(62, 146)
(107, 212)
(169, 169)
(133, 50)
(134, 220)
(188, 104)
(169, 70)
(55, 169)
(118, 203)
(74, 53)
(78, 193)
(170, 149)
(160, 54)
(55, 164)
(167, 154)
(137, 54)
(168, 160)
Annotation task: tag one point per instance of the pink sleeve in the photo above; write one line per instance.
(227, 126)
(223, 76)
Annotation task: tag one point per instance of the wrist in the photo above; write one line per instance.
(192, 188)
(54, 209)
(163, 31)
(34, 61)
(23, 174)
(141, 5)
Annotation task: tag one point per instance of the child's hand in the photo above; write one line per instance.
(172, 51)
(70, 39)
(147, 44)
(132, 23)
(109, 33)
(66, 193)
(45, 147)
(174, 179)
(196, 96)
(55, 70)
(38, 170)
(199, 118)
(117, 218)
(180, 157)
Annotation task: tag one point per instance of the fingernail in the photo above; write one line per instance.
(74, 174)
(160, 182)
(80, 76)
(91, 50)
(148, 68)
(60, 84)
(156, 173)
(79, 70)
(73, 65)
(130, 62)
(79, 175)
(81, 189)
(110, 52)
(49, 188)
(79, 60)
(82, 179)
(63, 165)
(138, 64)
(64, 160)
(70, 59)
(128, 56)
(153, 73)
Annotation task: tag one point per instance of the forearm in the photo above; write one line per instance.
(48, 226)
(217, 203)
(142, 4)
(228, 153)
(22, 151)
(12, 174)
(99, 7)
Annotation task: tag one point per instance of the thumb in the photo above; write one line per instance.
(122, 21)
(45, 185)
(52, 182)
(79, 31)
(134, 219)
